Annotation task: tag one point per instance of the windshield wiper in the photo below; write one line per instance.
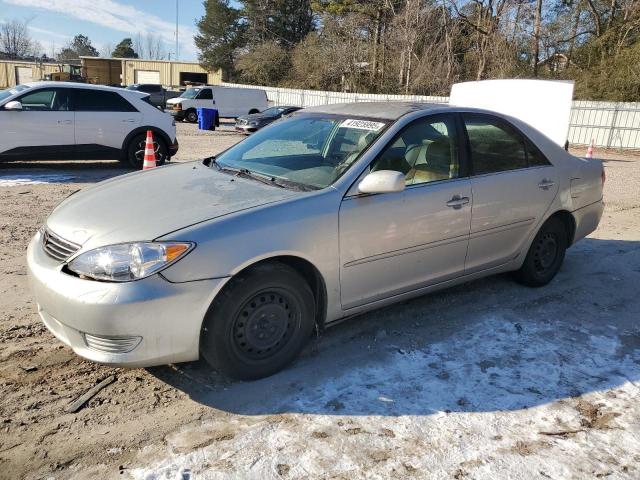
(260, 177)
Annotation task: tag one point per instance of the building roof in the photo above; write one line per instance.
(85, 57)
(385, 110)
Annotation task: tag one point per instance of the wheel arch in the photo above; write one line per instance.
(569, 222)
(143, 130)
(308, 271)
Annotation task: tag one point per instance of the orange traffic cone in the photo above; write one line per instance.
(149, 153)
(590, 150)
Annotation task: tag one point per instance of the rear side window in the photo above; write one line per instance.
(535, 156)
(494, 145)
(150, 88)
(46, 100)
(100, 101)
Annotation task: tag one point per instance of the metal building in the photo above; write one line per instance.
(13, 72)
(125, 71)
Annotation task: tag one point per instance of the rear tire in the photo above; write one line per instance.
(191, 116)
(259, 323)
(135, 150)
(545, 255)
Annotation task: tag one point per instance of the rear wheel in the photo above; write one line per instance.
(258, 323)
(135, 150)
(191, 116)
(545, 255)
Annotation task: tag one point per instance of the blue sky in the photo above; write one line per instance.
(54, 22)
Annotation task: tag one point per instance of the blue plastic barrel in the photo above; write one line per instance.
(207, 118)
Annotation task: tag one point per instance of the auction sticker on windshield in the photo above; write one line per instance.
(362, 124)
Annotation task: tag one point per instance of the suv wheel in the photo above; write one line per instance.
(135, 150)
(545, 255)
(258, 323)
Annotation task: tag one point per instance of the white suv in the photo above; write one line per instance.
(46, 120)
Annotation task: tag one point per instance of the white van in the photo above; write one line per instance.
(230, 102)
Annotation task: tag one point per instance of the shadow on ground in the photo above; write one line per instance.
(484, 346)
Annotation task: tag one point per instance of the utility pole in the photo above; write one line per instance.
(177, 43)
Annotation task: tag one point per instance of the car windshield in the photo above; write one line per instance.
(273, 111)
(311, 150)
(191, 92)
(11, 91)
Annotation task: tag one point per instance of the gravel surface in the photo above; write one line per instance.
(485, 380)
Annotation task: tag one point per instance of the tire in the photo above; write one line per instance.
(253, 110)
(191, 116)
(135, 150)
(545, 255)
(259, 323)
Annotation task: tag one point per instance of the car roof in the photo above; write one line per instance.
(89, 86)
(383, 110)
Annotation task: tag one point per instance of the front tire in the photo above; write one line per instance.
(545, 255)
(135, 150)
(259, 323)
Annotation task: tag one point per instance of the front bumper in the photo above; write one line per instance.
(135, 324)
(246, 129)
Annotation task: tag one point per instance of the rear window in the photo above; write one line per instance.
(100, 101)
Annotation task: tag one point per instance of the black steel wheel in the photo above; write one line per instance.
(259, 322)
(546, 254)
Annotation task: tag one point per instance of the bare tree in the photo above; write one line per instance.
(14, 38)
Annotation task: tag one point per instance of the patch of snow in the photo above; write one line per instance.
(33, 179)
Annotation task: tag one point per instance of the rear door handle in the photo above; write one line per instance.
(457, 202)
(129, 120)
(65, 122)
(545, 184)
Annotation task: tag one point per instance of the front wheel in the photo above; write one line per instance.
(545, 255)
(135, 150)
(259, 323)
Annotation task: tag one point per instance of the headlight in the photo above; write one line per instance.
(128, 261)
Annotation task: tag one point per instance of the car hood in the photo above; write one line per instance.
(149, 204)
(174, 100)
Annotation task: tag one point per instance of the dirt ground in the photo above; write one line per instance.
(484, 381)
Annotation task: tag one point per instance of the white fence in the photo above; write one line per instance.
(609, 124)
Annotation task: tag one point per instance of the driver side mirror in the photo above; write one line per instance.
(382, 181)
(14, 105)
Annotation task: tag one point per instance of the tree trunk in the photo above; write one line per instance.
(536, 38)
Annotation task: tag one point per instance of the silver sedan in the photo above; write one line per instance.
(332, 212)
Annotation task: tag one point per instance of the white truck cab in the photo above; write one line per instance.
(229, 101)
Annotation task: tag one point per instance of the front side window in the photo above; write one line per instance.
(494, 145)
(46, 100)
(190, 93)
(100, 101)
(312, 151)
(424, 151)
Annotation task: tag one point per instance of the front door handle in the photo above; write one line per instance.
(457, 202)
(545, 184)
(128, 120)
(64, 122)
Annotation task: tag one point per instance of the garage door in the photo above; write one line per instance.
(24, 75)
(147, 76)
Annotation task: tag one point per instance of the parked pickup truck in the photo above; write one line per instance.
(159, 95)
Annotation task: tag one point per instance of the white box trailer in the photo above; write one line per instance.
(543, 104)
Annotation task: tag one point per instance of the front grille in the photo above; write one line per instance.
(57, 247)
(120, 344)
